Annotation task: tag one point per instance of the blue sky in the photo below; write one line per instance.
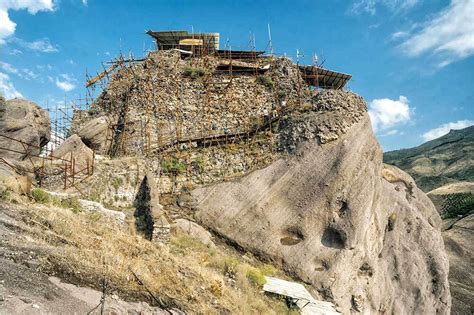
(412, 60)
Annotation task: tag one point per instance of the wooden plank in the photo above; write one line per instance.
(303, 299)
(102, 74)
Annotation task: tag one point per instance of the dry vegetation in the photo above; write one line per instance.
(84, 249)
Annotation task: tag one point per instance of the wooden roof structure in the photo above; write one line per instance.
(324, 78)
(181, 39)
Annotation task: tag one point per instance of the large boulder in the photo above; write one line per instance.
(74, 148)
(361, 233)
(23, 121)
(11, 180)
(94, 134)
(194, 230)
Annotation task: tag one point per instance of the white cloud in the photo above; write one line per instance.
(41, 45)
(24, 73)
(7, 88)
(445, 128)
(28, 74)
(84, 2)
(7, 26)
(8, 68)
(386, 113)
(399, 35)
(15, 52)
(65, 83)
(449, 34)
(390, 133)
(370, 6)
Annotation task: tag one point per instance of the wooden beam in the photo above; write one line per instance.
(102, 74)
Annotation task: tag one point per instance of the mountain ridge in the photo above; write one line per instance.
(441, 161)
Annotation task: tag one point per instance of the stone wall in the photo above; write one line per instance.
(166, 99)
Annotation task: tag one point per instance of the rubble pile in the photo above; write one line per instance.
(328, 125)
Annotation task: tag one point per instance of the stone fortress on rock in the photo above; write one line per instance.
(271, 156)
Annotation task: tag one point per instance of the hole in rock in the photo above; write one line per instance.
(366, 269)
(333, 238)
(344, 209)
(293, 236)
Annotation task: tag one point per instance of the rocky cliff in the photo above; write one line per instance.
(445, 165)
(24, 121)
(333, 215)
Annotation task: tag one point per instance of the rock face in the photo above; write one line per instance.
(460, 248)
(444, 160)
(75, 148)
(367, 242)
(25, 121)
(328, 125)
(194, 230)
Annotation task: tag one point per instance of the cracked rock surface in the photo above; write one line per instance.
(332, 214)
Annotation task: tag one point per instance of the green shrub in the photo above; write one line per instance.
(227, 265)
(117, 182)
(256, 277)
(266, 81)
(94, 216)
(172, 165)
(41, 196)
(193, 72)
(199, 164)
(230, 266)
(95, 196)
(5, 194)
(268, 270)
(182, 245)
(92, 111)
(71, 203)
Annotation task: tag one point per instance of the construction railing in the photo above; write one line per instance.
(71, 172)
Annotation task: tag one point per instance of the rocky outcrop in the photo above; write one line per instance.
(94, 134)
(12, 181)
(74, 149)
(328, 125)
(367, 242)
(24, 121)
(194, 230)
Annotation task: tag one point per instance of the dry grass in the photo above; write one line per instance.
(84, 249)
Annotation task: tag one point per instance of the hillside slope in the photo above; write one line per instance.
(435, 163)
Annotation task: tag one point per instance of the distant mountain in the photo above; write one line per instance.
(447, 159)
